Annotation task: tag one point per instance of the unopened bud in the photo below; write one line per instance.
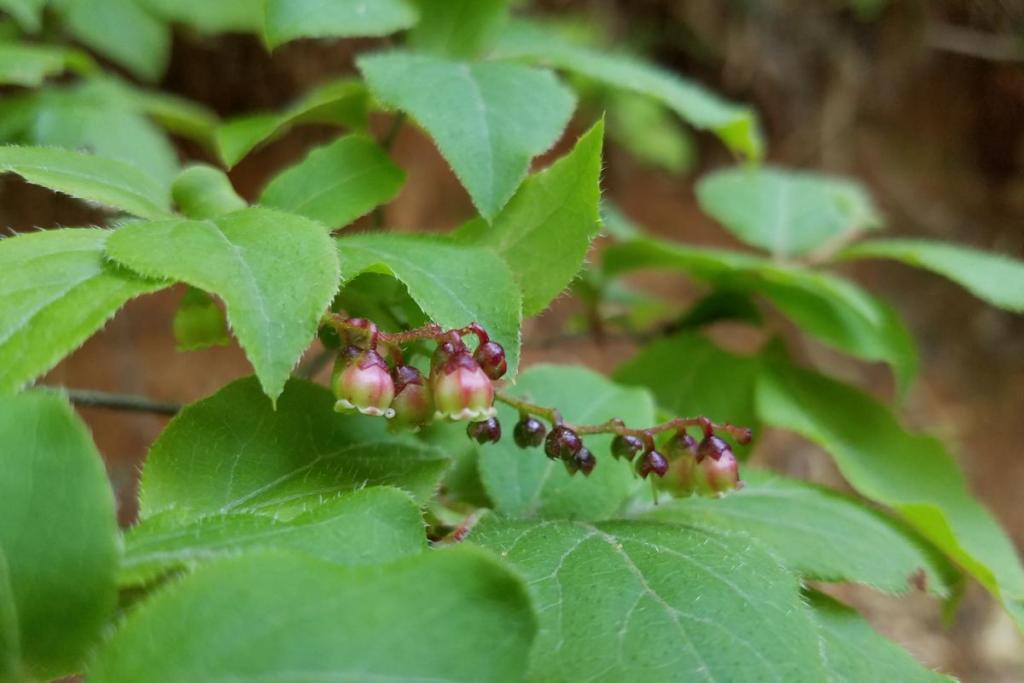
(652, 462)
(364, 384)
(485, 431)
(461, 389)
(413, 403)
(491, 358)
(721, 474)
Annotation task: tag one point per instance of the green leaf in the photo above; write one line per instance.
(58, 291)
(545, 230)
(27, 13)
(647, 129)
(458, 28)
(343, 102)
(203, 191)
(689, 375)
(337, 183)
(817, 533)
(287, 20)
(176, 114)
(122, 31)
(453, 284)
(834, 310)
(276, 273)
(96, 179)
(995, 278)
(640, 601)
(234, 452)
(786, 212)
(488, 119)
(528, 484)
(369, 526)
(199, 323)
(276, 617)
(912, 473)
(736, 125)
(225, 16)
(58, 534)
(854, 652)
(29, 65)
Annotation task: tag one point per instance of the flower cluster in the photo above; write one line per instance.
(460, 386)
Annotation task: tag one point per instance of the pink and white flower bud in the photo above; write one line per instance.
(413, 403)
(364, 384)
(721, 474)
(461, 389)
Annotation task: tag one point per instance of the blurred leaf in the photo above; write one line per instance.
(488, 119)
(689, 375)
(199, 323)
(122, 31)
(912, 473)
(337, 183)
(282, 461)
(719, 305)
(819, 534)
(367, 526)
(287, 20)
(27, 13)
(175, 114)
(617, 224)
(642, 601)
(29, 65)
(734, 124)
(277, 617)
(854, 652)
(58, 290)
(453, 284)
(786, 212)
(250, 258)
(528, 483)
(95, 179)
(646, 128)
(544, 232)
(834, 310)
(202, 191)
(458, 28)
(58, 535)
(343, 102)
(995, 278)
(462, 483)
(221, 16)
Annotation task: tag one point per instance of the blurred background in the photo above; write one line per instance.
(921, 101)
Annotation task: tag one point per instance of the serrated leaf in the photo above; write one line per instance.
(344, 102)
(912, 473)
(640, 601)
(96, 179)
(452, 283)
(488, 119)
(337, 183)
(736, 125)
(544, 232)
(689, 375)
(276, 273)
(199, 323)
(235, 452)
(122, 31)
(27, 13)
(202, 191)
(993, 277)
(284, 617)
(243, 16)
(57, 292)
(287, 20)
(854, 652)
(834, 310)
(29, 65)
(58, 534)
(529, 484)
(819, 534)
(369, 526)
(786, 212)
(458, 28)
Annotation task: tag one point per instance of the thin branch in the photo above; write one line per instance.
(91, 398)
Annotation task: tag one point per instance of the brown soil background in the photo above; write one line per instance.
(930, 118)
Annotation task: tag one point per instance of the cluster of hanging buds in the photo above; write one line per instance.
(460, 386)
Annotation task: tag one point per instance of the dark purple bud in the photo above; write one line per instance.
(712, 447)
(562, 443)
(681, 444)
(652, 462)
(627, 446)
(529, 432)
(721, 474)
(585, 461)
(491, 357)
(485, 431)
